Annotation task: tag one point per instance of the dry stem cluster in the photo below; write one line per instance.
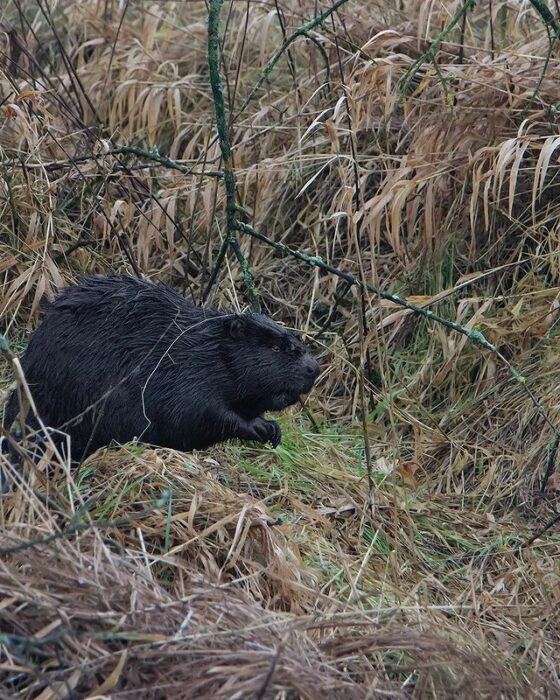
(421, 161)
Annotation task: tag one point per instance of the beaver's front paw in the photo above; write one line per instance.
(266, 431)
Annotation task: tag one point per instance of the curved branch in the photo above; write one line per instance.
(305, 28)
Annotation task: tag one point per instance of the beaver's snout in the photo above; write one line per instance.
(310, 371)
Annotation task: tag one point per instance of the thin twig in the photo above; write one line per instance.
(300, 31)
(152, 155)
(551, 461)
(430, 54)
(540, 533)
(214, 10)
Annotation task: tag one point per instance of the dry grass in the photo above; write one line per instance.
(260, 573)
(216, 583)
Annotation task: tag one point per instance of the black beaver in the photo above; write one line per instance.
(117, 358)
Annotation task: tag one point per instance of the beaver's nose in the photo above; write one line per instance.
(312, 368)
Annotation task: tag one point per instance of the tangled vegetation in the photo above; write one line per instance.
(403, 539)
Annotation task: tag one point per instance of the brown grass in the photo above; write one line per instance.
(212, 598)
(260, 573)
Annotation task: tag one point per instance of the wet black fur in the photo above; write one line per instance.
(117, 358)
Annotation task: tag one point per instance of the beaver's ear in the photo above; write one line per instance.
(236, 326)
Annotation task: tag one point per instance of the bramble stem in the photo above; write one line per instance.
(214, 10)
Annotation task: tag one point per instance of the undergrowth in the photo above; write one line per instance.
(412, 145)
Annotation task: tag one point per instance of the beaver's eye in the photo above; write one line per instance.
(275, 348)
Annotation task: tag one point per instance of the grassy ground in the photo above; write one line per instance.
(413, 145)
